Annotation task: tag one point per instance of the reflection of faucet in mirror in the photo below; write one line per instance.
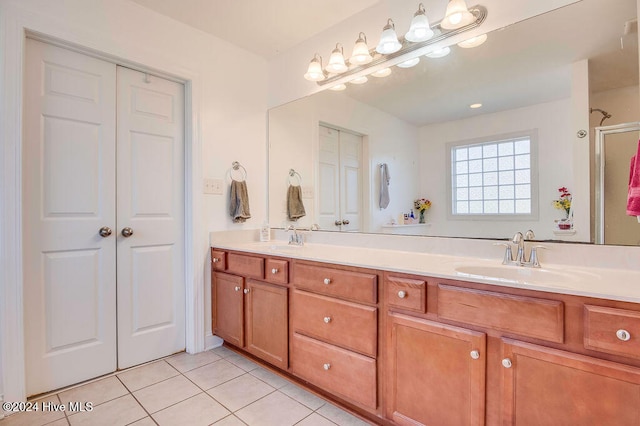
(295, 239)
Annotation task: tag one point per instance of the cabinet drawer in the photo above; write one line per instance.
(615, 331)
(526, 316)
(407, 294)
(218, 260)
(339, 371)
(277, 271)
(341, 323)
(356, 286)
(247, 266)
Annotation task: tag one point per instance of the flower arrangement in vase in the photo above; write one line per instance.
(564, 203)
(422, 205)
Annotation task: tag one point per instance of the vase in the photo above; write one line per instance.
(421, 219)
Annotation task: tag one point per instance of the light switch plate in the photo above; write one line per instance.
(213, 186)
(307, 192)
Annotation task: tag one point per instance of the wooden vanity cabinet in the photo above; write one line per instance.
(252, 314)
(435, 373)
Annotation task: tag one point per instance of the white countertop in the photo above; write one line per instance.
(605, 283)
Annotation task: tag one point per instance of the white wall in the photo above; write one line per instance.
(228, 100)
(293, 143)
(286, 70)
(552, 121)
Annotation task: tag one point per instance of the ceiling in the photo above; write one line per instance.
(262, 27)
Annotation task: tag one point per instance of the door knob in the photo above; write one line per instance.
(105, 231)
(345, 222)
(127, 232)
(338, 222)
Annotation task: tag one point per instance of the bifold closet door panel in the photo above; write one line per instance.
(68, 202)
(150, 199)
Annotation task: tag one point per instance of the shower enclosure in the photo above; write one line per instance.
(615, 145)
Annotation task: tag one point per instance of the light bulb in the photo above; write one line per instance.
(439, 53)
(359, 80)
(457, 15)
(420, 30)
(336, 63)
(360, 54)
(314, 72)
(382, 73)
(473, 42)
(410, 63)
(388, 40)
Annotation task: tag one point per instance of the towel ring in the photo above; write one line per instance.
(292, 174)
(235, 166)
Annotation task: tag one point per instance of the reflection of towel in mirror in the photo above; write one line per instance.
(239, 202)
(295, 208)
(384, 185)
(633, 199)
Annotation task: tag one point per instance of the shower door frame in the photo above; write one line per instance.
(601, 132)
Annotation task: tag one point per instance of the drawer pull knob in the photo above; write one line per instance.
(326, 366)
(327, 320)
(402, 294)
(246, 291)
(236, 288)
(623, 335)
(274, 271)
(506, 363)
(216, 260)
(475, 354)
(327, 281)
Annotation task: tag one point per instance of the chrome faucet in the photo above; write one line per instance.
(295, 239)
(521, 258)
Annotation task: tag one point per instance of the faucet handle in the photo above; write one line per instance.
(508, 255)
(529, 235)
(517, 238)
(533, 257)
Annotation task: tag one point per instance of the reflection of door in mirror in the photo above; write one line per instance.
(617, 144)
(340, 180)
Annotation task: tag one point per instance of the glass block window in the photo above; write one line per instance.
(493, 177)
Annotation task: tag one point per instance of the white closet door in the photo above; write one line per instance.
(68, 195)
(339, 180)
(350, 180)
(151, 288)
(329, 178)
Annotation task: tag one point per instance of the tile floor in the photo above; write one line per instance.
(217, 387)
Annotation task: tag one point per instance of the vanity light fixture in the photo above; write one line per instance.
(439, 53)
(420, 30)
(473, 41)
(410, 63)
(336, 63)
(314, 72)
(360, 54)
(457, 15)
(389, 39)
(390, 51)
(382, 72)
(338, 87)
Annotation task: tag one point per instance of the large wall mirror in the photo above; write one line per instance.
(540, 81)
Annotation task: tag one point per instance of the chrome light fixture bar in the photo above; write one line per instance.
(405, 52)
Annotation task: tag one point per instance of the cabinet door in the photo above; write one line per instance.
(544, 386)
(266, 322)
(435, 373)
(228, 307)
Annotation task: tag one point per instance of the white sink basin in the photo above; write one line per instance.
(517, 274)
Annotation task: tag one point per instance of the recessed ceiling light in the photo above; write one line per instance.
(338, 87)
(439, 53)
(410, 63)
(359, 80)
(474, 106)
(473, 42)
(382, 73)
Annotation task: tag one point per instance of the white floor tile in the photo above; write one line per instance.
(96, 392)
(200, 410)
(214, 374)
(339, 416)
(230, 421)
(117, 412)
(302, 396)
(35, 418)
(269, 377)
(161, 395)
(315, 420)
(240, 391)
(242, 362)
(185, 362)
(140, 377)
(275, 409)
